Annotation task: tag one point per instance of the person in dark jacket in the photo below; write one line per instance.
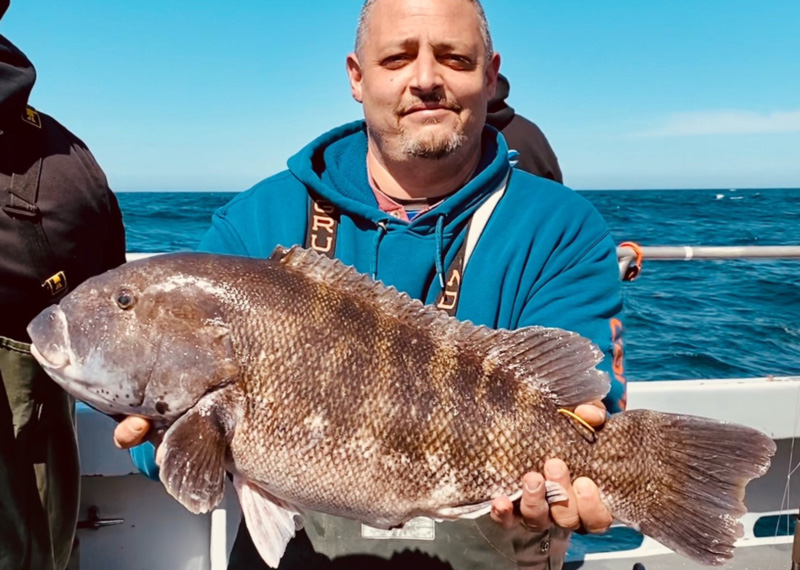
(535, 153)
(59, 224)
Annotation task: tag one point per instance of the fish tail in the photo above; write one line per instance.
(680, 479)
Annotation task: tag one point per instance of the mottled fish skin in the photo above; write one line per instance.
(355, 412)
(334, 393)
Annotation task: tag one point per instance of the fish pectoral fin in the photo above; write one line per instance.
(472, 511)
(193, 467)
(555, 492)
(272, 522)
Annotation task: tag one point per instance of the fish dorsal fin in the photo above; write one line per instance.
(345, 278)
(559, 362)
(556, 361)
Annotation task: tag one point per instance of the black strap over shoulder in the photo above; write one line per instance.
(21, 205)
(323, 226)
(448, 297)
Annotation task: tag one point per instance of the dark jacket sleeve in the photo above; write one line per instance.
(114, 254)
(107, 211)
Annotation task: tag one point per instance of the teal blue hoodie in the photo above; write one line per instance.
(544, 258)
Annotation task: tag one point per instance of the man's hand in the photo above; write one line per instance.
(131, 432)
(582, 511)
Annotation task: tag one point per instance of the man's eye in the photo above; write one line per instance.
(395, 61)
(458, 61)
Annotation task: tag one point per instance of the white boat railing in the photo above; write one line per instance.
(135, 256)
(674, 252)
(633, 255)
(690, 252)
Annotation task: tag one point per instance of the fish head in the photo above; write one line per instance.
(148, 338)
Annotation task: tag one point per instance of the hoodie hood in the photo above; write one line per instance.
(17, 76)
(334, 166)
(498, 113)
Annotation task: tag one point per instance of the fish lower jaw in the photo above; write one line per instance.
(71, 382)
(54, 362)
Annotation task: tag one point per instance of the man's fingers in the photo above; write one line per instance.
(503, 513)
(564, 513)
(130, 432)
(593, 413)
(160, 455)
(533, 506)
(595, 516)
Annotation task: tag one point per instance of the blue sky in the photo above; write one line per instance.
(201, 95)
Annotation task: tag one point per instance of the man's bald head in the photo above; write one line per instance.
(366, 10)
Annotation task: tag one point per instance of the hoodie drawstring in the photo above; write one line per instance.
(440, 249)
(376, 242)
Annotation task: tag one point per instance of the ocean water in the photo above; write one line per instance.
(683, 319)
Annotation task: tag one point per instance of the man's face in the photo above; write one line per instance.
(423, 78)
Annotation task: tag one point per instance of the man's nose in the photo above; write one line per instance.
(427, 74)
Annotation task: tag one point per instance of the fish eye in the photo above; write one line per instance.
(126, 299)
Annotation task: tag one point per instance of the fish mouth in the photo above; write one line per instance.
(70, 378)
(84, 376)
(45, 362)
(49, 339)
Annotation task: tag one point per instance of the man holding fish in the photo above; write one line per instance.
(422, 196)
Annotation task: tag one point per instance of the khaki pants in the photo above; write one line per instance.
(332, 543)
(39, 470)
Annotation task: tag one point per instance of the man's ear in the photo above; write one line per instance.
(492, 71)
(354, 73)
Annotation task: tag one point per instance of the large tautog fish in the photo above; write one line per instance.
(321, 389)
